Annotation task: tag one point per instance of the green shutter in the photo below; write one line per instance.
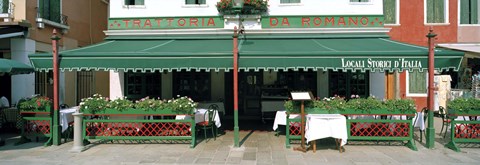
(139, 2)
(202, 2)
(4, 7)
(417, 82)
(190, 2)
(55, 11)
(474, 12)
(389, 11)
(439, 6)
(284, 1)
(464, 12)
(430, 13)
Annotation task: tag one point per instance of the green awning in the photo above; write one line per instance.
(256, 53)
(143, 55)
(375, 54)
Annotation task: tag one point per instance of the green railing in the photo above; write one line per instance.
(465, 130)
(36, 124)
(382, 127)
(138, 125)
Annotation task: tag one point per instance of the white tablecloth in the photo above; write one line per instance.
(66, 116)
(417, 123)
(200, 116)
(321, 126)
(205, 105)
(281, 118)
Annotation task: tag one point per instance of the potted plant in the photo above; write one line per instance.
(226, 7)
(36, 103)
(367, 105)
(464, 106)
(94, 104)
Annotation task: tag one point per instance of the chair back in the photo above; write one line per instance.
(212, 112)
(442, 112)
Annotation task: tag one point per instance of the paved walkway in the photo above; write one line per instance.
(257, 148)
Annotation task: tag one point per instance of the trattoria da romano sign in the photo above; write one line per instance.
(165, 23)
(322, 21)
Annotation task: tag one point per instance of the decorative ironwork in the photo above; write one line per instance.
(137, 129)
(37, 127)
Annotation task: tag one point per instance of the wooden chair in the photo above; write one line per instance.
(210, 122)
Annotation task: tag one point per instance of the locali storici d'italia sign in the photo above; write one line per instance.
(165, 23)
(322, 21)
(381, 63)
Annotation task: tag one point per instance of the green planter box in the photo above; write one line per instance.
(358, 112)
(453, 112)
(45, 110)
(137, 112)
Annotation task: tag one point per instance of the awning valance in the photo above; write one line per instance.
(357, 53)
(374, 54)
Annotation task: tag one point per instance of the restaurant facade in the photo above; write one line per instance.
(185, 48)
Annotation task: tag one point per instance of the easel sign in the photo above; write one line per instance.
(302, 96)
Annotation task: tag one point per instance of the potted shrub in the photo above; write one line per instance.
(225, 7)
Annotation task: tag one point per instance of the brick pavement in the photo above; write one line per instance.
(257, 148)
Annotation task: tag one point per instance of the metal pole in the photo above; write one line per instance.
(77, 133)
(56, 129)
(235, 87)
(430, 138)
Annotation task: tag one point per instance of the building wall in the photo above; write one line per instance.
(468, 33)
(154, 8)
(413, 30)
(19, 13)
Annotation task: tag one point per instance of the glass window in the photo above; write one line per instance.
(417, 82)
(469, 11)
(50, 10)
(195, 2)
(390, 9)
(436, 11)
(195, 85)
(289, 1)
(134, 2)
(349, 83)
(139, 85)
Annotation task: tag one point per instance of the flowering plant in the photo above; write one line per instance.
(94, 104)
(182, 104)
(37, 102)
(330, 103)
(249, 7)
(120, 104)
(148, 103)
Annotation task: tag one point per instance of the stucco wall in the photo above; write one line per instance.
(306, 7)
(469, 33)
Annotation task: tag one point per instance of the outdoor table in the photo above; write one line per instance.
(200, 116)
(319, 126)
(66, 117)
(281, 118)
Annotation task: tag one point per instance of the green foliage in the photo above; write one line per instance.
(294, 106)
(150, 104)
(120, 104)
(37, 102)
(464, 104)
(249, 7)
(403, 105)
(94, 104)
(365, 104)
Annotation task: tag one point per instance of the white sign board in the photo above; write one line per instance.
(301, 96)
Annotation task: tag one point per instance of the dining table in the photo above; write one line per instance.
(206, 105)
(66, 117)
(201, 115)
(319, 126)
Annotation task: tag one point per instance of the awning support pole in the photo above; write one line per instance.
(430, 137)
(56, 115)
(235, 87)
